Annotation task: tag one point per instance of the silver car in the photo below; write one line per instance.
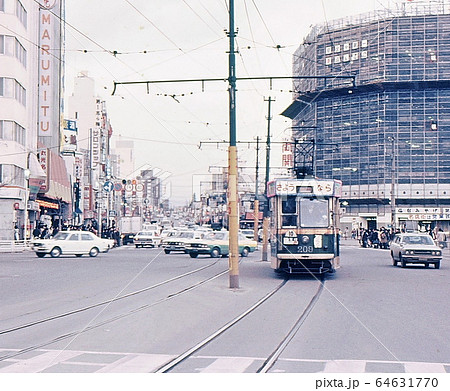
(415, 248)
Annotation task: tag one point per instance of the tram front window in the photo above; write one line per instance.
(289, 212)
(313, 213)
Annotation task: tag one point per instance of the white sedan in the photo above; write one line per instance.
(71, 243)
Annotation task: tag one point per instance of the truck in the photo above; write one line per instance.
(128, 227)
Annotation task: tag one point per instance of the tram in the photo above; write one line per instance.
(304, 225)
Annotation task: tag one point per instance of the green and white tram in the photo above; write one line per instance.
(304, 227)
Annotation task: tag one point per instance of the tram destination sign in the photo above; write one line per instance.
(304, 187)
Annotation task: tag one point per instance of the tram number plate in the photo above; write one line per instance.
(305, 249)
(290, 241)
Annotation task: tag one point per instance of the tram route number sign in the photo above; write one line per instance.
(290, 238)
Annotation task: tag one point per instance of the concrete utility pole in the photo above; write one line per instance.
(266, 218)
(233, 207)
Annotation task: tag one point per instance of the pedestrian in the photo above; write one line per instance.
(441, 238)
(383, 239)
(37, 231)
(346, 233)
(16, 232)
(365, 238)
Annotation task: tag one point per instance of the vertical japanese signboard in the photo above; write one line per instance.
(49, 68)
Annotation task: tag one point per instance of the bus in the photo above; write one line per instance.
(304, 225)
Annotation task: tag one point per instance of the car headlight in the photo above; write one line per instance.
(409, 252)
(436, 253)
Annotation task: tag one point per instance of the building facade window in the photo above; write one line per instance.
(10, 130)
(15, 7)
(11, 175)
(10, 46)
(21, 13)
(11, 88)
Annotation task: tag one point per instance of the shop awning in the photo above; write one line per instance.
(36, 171)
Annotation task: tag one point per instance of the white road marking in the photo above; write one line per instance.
(423, 367)
(136, 363)
(345, 366)
(228, 365)
(41, 362)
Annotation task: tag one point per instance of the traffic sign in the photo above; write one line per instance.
(108, 186)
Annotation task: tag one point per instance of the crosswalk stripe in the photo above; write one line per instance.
(134, 363)
(347, 366)
(41, 362)
(228, 365)
(118, 362)
(422, 367)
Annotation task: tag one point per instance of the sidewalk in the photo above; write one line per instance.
(349, 242)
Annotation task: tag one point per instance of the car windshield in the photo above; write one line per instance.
(418, 240)
(61, 236)
(187, 235)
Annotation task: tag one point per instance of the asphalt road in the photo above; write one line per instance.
(370, 316)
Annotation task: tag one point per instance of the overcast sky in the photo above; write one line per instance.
(185, 39)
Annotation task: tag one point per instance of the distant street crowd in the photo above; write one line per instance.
(380, 238)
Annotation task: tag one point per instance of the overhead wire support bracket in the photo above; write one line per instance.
(226, 79)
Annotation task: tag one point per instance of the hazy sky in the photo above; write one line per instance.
(138, 40)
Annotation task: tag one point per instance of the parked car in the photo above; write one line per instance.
(415, 248)
(147, 238)
(71, 243)
(178, 241)
(216, 244)
(248, 233)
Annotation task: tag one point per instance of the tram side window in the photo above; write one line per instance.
(313, 213)
(289, 212)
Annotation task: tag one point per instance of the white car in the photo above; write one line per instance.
(147, 238)
(178, 241)
(71, 243)
(415, 248)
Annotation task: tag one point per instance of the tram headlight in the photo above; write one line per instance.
(305, 239)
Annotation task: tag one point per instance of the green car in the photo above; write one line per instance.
(216, 244)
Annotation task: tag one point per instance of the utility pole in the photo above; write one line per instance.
(266, 206)
(232, 199)
(256, 203)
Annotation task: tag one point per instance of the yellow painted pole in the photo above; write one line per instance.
(233, 215)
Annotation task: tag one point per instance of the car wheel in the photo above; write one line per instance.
(40, 255)
(245, 252)
(137, 245)
(437, 265)
(79, 255)
(56, 252)
(402, 261)
(394, 262)
(215, 253)
(193, 254)
(167, 251)
(93, 252)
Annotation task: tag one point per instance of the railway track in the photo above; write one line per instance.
(273, 357)
(173, 363)
(105, 303)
